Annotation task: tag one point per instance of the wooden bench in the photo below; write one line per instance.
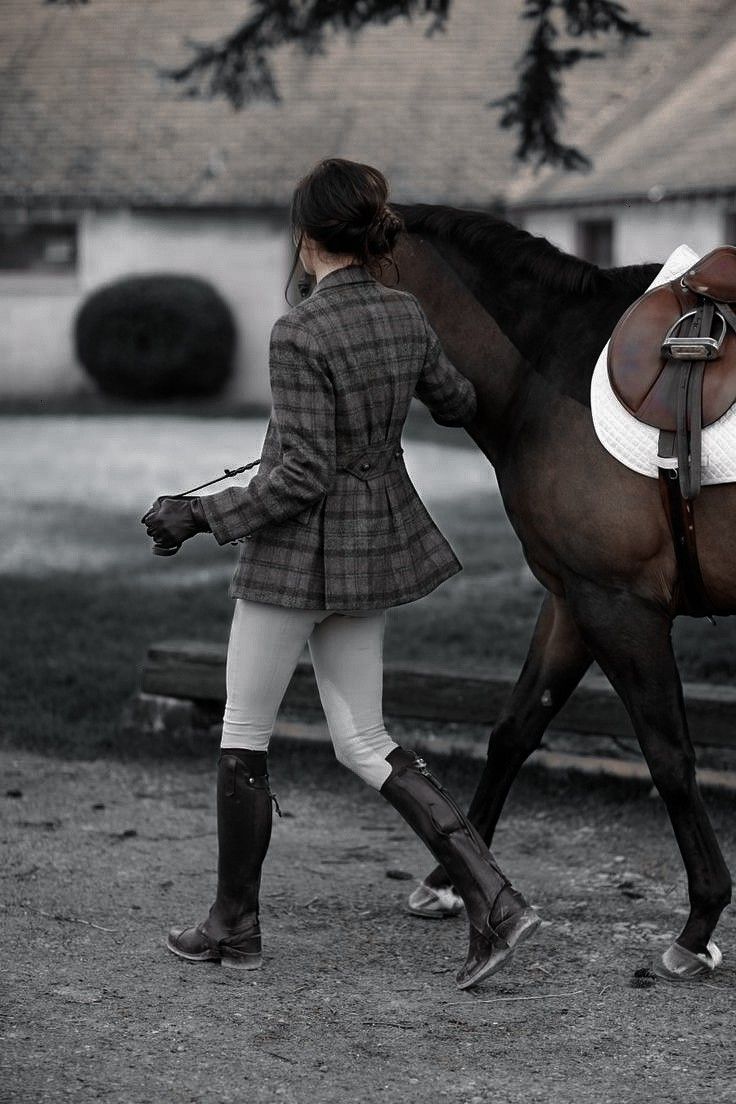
(194, 670)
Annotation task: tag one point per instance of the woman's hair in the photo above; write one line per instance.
(342, 206)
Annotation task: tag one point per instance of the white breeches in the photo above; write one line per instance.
(266, 642)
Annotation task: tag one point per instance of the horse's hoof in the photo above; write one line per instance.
(679, 964)
(434, 904)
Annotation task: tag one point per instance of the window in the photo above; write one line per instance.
(595, 241)
(43, 248)
(729, 237)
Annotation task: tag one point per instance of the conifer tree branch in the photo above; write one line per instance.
(238, 67)
(536, 107)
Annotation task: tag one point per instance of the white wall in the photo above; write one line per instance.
(244, 255)
(642, 231)
(558, 226)
(650, 232)
(36, 353)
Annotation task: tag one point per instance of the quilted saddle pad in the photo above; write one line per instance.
(635, 444)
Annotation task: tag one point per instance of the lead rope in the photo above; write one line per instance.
(229, 473)
(172, 549)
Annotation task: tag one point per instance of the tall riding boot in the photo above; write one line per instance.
(231, 933)
(499, 916)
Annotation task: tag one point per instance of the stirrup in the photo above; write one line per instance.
(693, 348)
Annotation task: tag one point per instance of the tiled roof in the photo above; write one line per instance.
(668, 128)
(84, 115)
(85, 118)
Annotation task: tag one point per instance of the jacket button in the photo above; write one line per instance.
(397, 454)
(365, 466)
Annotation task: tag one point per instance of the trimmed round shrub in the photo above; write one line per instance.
(156, 337)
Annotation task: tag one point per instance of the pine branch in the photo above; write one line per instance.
(537, 107)
(239, 68)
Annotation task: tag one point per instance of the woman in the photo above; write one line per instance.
(334, 533)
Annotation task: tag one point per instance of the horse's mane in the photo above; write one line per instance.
(492, 241)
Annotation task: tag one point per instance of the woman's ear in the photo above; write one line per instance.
(306, 254)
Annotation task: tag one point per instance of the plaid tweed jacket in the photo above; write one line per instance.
(332, 519)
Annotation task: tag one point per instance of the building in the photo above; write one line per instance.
(106, 170)
(664, 153)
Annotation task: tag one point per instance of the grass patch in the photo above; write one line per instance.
(74, 640)
(74, 653)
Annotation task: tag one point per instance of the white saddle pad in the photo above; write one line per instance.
(635, 444)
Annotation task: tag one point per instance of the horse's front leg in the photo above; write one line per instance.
(631, 640)
(556, 661)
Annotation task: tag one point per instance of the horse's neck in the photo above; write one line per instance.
(516, 307)
(470, 336)
(508, 328)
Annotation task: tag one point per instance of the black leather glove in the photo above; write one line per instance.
(171, 521)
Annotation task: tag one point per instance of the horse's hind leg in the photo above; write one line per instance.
(631, 641)
(556, 661)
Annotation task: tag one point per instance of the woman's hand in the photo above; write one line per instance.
(171, 521)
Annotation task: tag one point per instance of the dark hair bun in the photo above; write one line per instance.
(383, 231)
(342, 205)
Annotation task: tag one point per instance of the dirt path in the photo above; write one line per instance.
(356, 1000)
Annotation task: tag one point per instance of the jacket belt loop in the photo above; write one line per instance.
(373, 461)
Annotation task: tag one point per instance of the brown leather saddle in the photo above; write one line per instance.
(672, 363)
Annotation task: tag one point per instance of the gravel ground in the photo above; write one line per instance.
(356, 1000)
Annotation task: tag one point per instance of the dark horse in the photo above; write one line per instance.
(526, 323)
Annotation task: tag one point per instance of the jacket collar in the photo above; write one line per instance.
(350, 274)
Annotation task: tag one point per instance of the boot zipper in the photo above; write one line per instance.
(422, 767)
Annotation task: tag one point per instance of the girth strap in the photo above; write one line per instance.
(681, 517)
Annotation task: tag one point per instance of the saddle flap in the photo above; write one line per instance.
(641, 378)
(635, 361)
(714, 275)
